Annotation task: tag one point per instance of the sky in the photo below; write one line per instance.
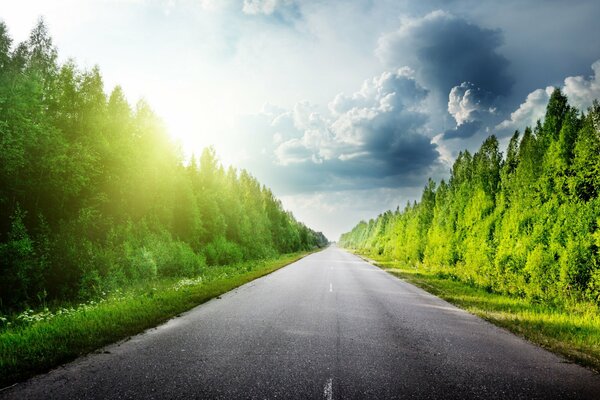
(343, 108)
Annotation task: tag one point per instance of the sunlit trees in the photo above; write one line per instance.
(526, 225)
(94, 195)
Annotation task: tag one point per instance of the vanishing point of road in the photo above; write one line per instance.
(329, 326)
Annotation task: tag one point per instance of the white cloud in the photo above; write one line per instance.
(381, 114)
(292, 151)
(582, 91)
(302, 135)
(528, 112)
(265, 7)
(374, 137)
(464, 102)
(472, 109)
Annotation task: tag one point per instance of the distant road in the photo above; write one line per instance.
(329, 326)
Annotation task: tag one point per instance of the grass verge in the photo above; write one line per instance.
(572, 331)
(30, 348)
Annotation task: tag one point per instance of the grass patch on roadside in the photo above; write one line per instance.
(44, 340)
(572, 330)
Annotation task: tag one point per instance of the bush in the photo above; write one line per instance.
(221, 252)
(179, 260)
(141, 264)
(16, 263)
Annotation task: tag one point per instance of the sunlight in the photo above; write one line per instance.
(204, 116)
(193, 129)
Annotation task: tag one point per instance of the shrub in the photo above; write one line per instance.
(221, 252)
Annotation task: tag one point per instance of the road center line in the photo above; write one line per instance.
(328, 390)
(331, 287)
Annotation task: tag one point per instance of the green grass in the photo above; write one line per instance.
(571, 330)
(36, 342)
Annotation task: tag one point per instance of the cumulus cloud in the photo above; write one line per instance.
(380, 135)
(471, 109)
(465, 103)
(581, 92)
(302, 134)
(532, 109)
(384, 108)
(373, 137)
(293, 151)
(446, 50)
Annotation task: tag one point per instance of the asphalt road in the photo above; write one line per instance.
(329, 326)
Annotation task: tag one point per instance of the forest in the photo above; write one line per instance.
(524, 224)
(95, 196)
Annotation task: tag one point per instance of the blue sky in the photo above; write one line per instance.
(343, 108)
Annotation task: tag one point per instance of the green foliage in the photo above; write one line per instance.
(94, 196)
(220, 252)
(525, 226)
(16, 259)
(34, 341)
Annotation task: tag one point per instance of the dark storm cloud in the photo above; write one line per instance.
(453, 70)
(371, 138)
(463, 131)
(446, 51)
(334, 175)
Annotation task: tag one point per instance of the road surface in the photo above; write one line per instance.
(329, 326)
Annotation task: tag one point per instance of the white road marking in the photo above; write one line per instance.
(331, 287)
(8, 387)
(328, 390)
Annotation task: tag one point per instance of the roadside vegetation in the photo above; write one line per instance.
(95, 197)
(514, 239)
(105, 228)
(35, 341)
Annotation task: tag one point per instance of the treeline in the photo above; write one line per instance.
(95, 196)
(525, 224)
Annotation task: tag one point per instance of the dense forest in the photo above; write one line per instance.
(95, 196)
(525, 224)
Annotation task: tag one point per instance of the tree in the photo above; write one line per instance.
(527, 226)
(95, 196)
(585, 183)
(556, 111)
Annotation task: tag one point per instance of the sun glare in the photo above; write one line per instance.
(192, 129)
